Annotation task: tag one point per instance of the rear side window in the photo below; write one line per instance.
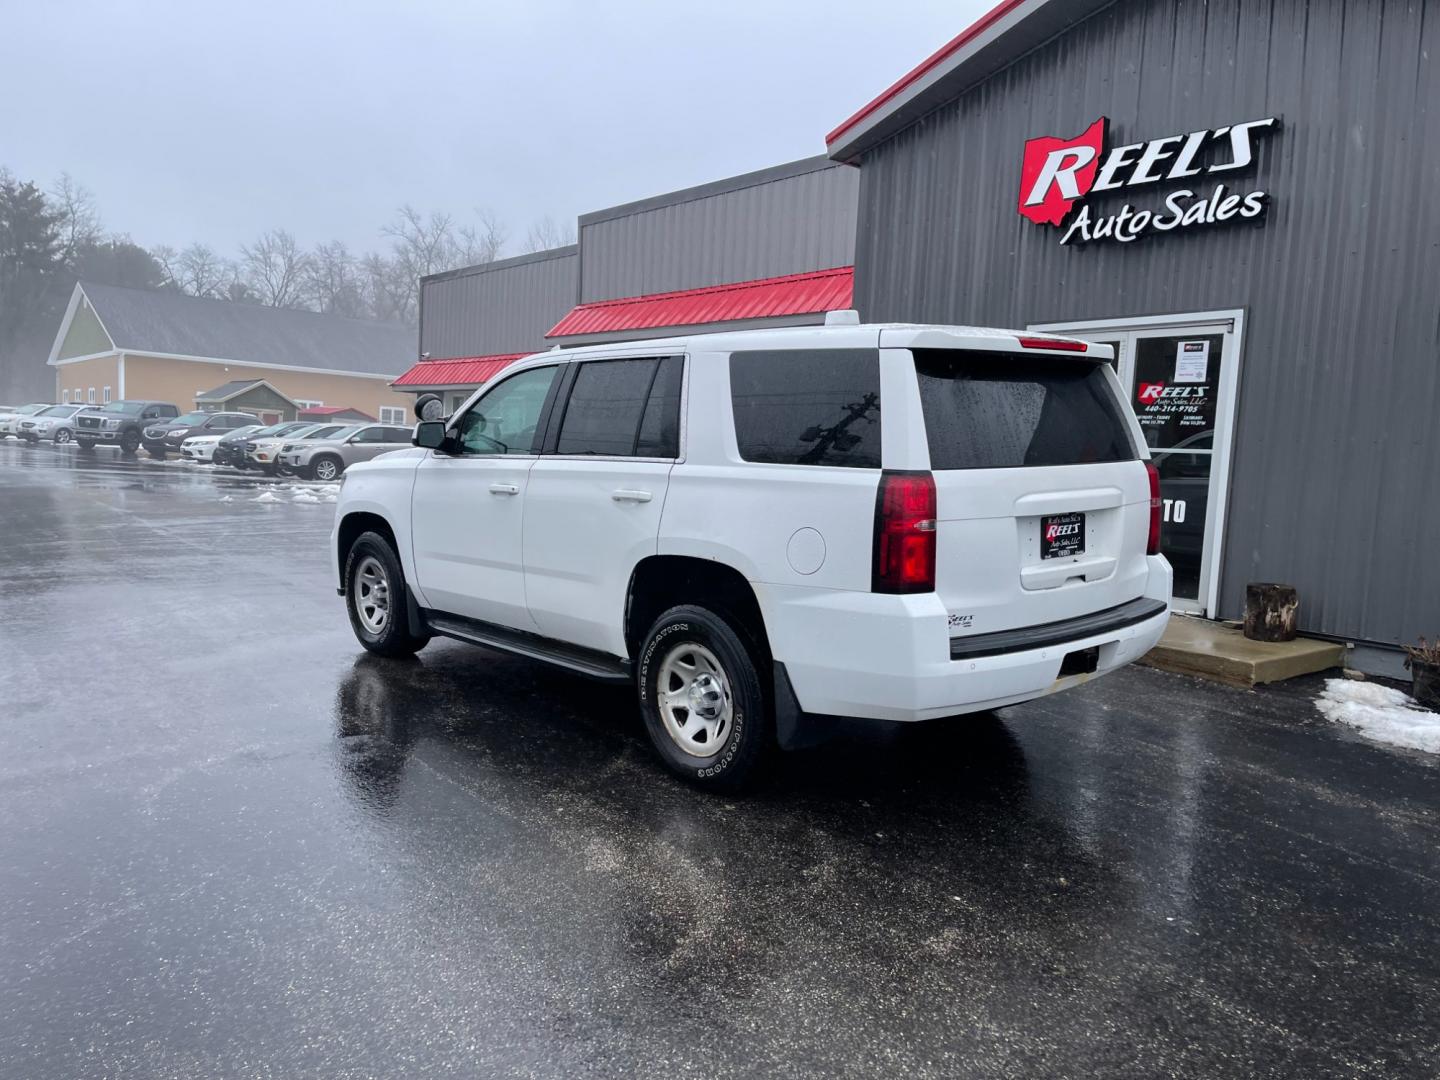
(623, 408)
(807, 406)
(660, 426)
(987, 410)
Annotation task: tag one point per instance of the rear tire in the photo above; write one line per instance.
(375, 597)
(704, 698)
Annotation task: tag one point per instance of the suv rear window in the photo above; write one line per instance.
(807, 406)
(988, 410)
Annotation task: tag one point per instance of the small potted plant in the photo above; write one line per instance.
(1423, 660)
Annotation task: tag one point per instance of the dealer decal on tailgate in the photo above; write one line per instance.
(1062, 535)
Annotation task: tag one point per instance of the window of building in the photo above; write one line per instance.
(392, 414)
(306, 403)
(807, 406)
(64, 397)
(607, 406)
(92, 395)
(107, 395)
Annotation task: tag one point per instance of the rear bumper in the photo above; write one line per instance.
(888, 657)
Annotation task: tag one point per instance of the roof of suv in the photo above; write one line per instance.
(862, 336)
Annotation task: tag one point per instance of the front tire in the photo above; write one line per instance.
(158, 453)
(85, 444)
(326, 469)
(375, 597)
(62, 436)
(703, 698)
(129, 442)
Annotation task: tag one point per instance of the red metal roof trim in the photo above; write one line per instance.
(793, 294)
(934, 60)
(459, 371)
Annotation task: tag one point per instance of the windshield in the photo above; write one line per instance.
(59, 410)
(190, 419)
(31, 410)
(129, 408)
(329, 431)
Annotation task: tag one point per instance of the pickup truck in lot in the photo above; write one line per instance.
(763, 530)
(120, 423)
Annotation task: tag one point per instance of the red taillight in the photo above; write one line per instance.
(904, 533)
(1152, 547)
(1055, 344)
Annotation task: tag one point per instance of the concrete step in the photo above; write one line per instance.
(1211, 651)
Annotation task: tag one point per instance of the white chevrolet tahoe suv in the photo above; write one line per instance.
(767, 529)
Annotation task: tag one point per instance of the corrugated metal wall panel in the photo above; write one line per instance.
(1334, 483)
(502, 308)
(777, 226)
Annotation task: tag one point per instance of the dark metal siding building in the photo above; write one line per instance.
(1335, 447)
(789, 219)
(499, 307)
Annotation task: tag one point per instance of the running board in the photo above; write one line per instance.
(589, 662)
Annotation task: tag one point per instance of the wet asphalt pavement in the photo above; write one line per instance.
(235, 846)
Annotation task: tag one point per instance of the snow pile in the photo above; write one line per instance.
(303, 497)
(1380, 713)
(266, 497)
(227, 498)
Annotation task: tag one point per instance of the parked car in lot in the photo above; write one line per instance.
(263, 452)
(203, 447)
(764, 530)
(57, 423)
(326, 459)
(326, 431)
(165, 438)
(230, 450)
(120, 423)
(10, 421)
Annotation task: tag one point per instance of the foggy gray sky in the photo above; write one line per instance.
(213, 122)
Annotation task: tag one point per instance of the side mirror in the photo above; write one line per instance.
(429, 407)
(430, 435)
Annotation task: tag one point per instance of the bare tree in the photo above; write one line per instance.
(333, 281)
(275, 268)
(79, 218)
(482, 242)
(547, 233)
(199, 271)
(389, 288)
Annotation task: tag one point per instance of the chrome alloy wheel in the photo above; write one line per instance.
(693, 694)
(372, 595)
(326, 469)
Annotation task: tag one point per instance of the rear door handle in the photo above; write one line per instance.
(628, 495)
(504, 489)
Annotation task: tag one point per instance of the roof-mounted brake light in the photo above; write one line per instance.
(1054, 344)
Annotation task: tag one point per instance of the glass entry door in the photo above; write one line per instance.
(1181, 377)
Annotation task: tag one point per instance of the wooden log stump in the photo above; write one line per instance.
(1270, 611)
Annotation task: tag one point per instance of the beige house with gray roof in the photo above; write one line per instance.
(116, 343)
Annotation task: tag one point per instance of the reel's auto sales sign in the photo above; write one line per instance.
(1059, 174)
